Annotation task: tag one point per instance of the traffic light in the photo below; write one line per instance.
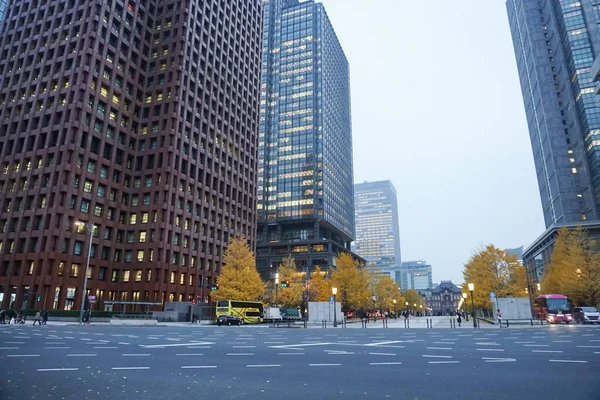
(39, 298)
(285, 283)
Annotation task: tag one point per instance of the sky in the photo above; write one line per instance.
(437, 109)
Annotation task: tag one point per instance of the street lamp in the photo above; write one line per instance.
(334, 292)
(539, 288)
(277, 289)
(90, 228)
(471, 288)
(394, 301)
(406, 304)
(464, 295)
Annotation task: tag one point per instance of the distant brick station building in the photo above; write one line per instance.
(139, 116)
(445, 297)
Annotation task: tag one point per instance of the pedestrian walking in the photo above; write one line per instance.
(499, 318)
(37, 318)
(458, 319)
(44, 317)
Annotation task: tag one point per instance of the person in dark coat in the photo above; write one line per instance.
(44, 317)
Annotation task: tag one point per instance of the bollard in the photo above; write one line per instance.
(384, 320)
(305, 323)
(408, 322)
(427, 323)
(531, 321)
(478, 324)
(507, 323)
(431, 323)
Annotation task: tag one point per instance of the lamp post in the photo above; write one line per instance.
(394, 301)
(471, 288)
(334, 292)
(539, 288)
(464, 295)
(90, 228)
(277, 289)
(406, 304)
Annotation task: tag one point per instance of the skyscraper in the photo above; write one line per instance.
(305, 179)
(555, 44)
(139, 116)
(377, 227)
(3, 4)
(415, 275)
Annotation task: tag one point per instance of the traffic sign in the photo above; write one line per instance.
(331, 299)
(90, 298)
(492, 295)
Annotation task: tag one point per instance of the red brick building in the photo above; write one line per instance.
(140, 116)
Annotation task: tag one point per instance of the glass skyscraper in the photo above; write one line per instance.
(555, 44)
(377, 227)
(305, 176)
(3, 4)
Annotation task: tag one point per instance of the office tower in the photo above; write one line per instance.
(415, 275)
(305, 179)
(555, 44)
(3, 4)
(377, 228)
(139, 116)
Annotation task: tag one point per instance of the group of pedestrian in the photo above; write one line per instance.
(11, 317)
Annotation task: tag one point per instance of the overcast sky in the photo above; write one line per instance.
(437, 109)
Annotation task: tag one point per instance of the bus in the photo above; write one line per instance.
(554, 308)
(249, 311)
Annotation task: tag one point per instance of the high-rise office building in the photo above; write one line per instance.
(415, 275)
(305, 179)
(3, 4)
(139, 116)
(555, 44)
(377, 227)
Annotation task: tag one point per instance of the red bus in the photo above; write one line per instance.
(554, 308)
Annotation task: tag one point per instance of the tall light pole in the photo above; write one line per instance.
(394, 301)
(334, 292)
(406, 304)
(276, 289)
(539, 288)
(90, 228)
(464, 295)
(471, 288)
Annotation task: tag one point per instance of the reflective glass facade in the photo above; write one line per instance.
(377, 227)
(415, 275)
(555, 44)
(3, 4)
(305, 179)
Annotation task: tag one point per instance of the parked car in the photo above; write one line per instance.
(586, 315)
(229, 320)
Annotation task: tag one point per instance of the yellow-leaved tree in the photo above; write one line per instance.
(385, 291)
(239, 279)
(490, 270)
(412, 297)
(319, 287)
(574, 268)
(290, 296)
(352, 283)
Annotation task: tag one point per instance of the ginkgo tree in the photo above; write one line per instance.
(290, 296)
(574, 268)
(319, 287)
(239, 279)
(385, 291)
(352, 283)
(494, 270)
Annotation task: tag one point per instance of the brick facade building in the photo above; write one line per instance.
(140, 116)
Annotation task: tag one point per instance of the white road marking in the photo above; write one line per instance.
(444, 343)
(590, 347)
(123, 343)
(14, 342)
(82, 355)
(546, 351)
(57, 347)
(23, 355)
(273, 342)
(561, 341)
(443, 362)
(523, 342)
(384, 343)
(9, 348)
(105, 347)
(262, 365)
(439, 348)
(240, 354)
(135, 355)
(291, 354)
(290, 346)
(198, 347)
(129, 368)
(244, 347)
(386, 363)
(496, 360)
(537, 345)
(86, 339)
(57, 369)
(432, 356)
(382, 354)
(324, 365)
(569, 361)
(188, 354)
(198, 366)
(487, 344)
(490, 349)
(150, 346)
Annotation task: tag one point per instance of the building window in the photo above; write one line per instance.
(126, 275)
(74, 270)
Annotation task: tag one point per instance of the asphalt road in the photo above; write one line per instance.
(258, 362)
